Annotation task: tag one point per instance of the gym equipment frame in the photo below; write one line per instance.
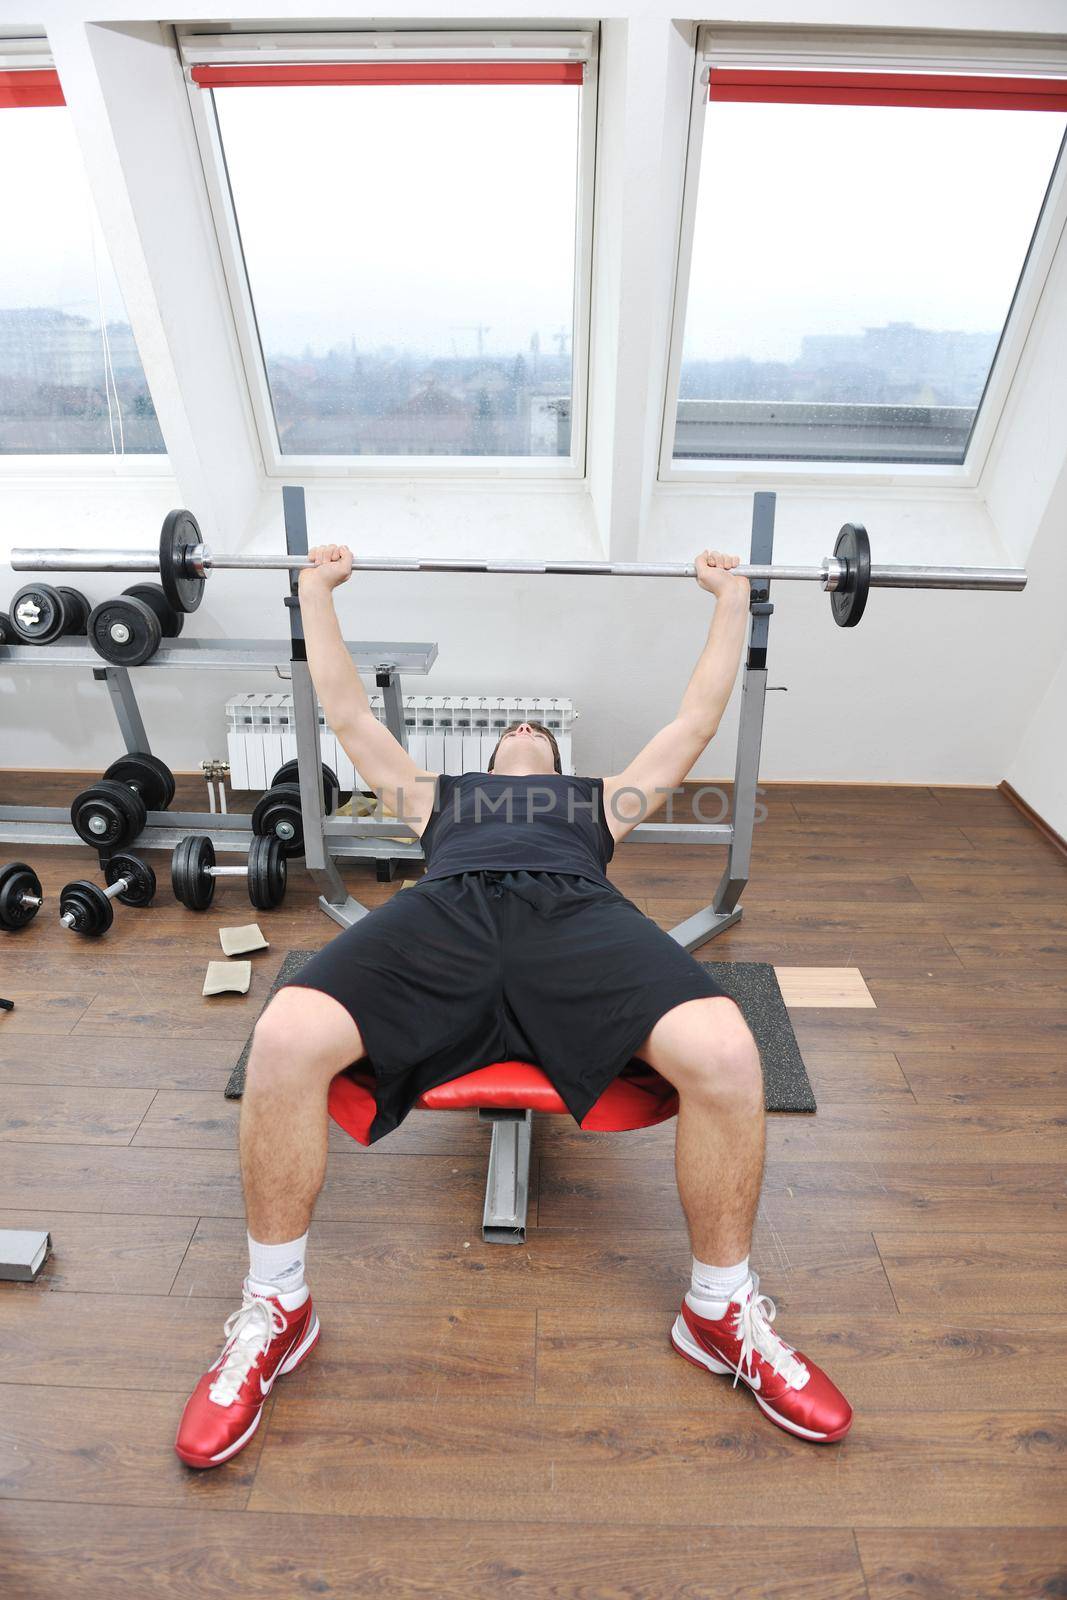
(231, 831)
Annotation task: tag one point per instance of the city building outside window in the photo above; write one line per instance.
(408, 246)
(855, 241)
(71, 380)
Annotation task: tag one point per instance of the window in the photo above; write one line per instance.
(857, 243)
(71, 380)
(406, 243)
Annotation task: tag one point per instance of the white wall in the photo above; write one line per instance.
(931, 688)
(1039, 769)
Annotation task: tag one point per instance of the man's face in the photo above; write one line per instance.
(524, 748)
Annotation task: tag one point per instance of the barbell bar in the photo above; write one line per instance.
(184, 562)
(828, 574)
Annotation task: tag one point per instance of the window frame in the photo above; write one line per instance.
(202, 49)
(31, 54)
(900, 55)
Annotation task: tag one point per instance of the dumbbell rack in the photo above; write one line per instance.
(326, 839)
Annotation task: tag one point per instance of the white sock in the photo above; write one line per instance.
(712, 1288)
(279, 1269)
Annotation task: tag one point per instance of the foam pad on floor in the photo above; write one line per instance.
(751, 983)
(240, 941)
(228, 977)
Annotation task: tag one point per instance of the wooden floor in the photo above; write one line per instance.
(490, 1421)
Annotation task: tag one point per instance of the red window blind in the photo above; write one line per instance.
(296, 75)
(888, 89)
(39, 87)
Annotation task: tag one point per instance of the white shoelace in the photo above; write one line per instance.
(753, 1328)
(252, 1328)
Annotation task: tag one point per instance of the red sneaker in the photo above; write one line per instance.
(793, 1391)
(263, 1341)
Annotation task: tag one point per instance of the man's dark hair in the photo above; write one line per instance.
(540, 728)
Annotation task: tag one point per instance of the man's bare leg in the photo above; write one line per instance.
(303, 1039)
(705, 1049)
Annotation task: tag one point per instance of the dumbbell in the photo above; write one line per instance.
(128, 630)
(277, 813)
(20, 895)
(40, 614)
(111, 813)
(87, 909)
(193, 872)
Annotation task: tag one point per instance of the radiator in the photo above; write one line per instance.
(445, 732)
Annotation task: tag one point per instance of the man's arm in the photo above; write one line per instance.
(632, 796)
(404, 788)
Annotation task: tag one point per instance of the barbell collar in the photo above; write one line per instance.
(828, 574)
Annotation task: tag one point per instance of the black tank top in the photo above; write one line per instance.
(489, 822)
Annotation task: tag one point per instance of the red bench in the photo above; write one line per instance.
(507, 1094)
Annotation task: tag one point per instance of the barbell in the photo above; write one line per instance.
(184, 562)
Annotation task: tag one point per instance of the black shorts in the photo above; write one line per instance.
(453, 974)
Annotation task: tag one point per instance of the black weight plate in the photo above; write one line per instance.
(151, 777)
(142, 886)
(849, 601)
(17, 879)
(78, 609)
(7, 633)
(124, 631)
(331, 788)
(108, 815)
(181, 533)
(267, 873)
(276, 814)
(89, 906)
(38, 614)
(171, 622)
(188, 877)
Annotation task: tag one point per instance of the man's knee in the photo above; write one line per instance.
(297, 1040)
(723, 1064)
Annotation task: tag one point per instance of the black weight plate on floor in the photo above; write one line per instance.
(276, 814)
(848, 602)
(181, 585)
(331, 788)
(267, 873)
(7, 633)
(188, 879)
(151, 777)
(78, 609)
(124, 631)
(43, 614)
(17, 879)
(119, 813)
(171, 622)
(142, 886)
(89, 906)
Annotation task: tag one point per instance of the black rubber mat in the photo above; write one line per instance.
(751, 983)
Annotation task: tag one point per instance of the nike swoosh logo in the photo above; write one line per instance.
(754, 1380)
(265, 1389)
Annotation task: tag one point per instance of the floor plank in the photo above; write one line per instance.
(580, 1461)
(975, 1274)
(434, 1261)
(964, 1563)
(905, 1363)
(216, 1556)
(881, 1194)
